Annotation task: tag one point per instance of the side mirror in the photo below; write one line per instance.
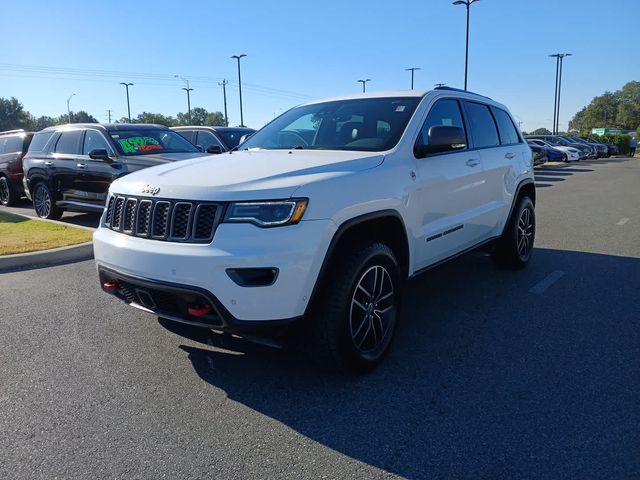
(200, 148)
(100, 154)
(442, 138)
(214, 149)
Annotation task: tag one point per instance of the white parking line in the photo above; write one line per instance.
(549, 280)
(622, 221)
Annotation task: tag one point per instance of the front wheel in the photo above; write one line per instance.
(43, 203)
(355, 320)
(514, 248)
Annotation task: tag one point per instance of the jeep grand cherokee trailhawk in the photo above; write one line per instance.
(320, 216)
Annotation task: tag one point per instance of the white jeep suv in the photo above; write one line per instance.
(319, 218)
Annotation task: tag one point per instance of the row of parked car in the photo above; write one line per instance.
(70, 167)
(558, 148)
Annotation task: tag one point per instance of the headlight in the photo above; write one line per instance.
(267, 214)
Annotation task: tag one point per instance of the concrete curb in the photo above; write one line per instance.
(46, 258)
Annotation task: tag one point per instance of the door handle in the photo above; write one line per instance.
(81, 165)
(509, 155)
(472, 162)
(48, 164)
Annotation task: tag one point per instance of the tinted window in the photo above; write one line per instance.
(93, 139)
(186, 134)
(145, 141)
(207, 139)
(443, 113)
(69, 142)
(40, 141)
(13, 144)
(338, 125)
(3, 142)
(483, 128)
(232, 137)
(508, 132)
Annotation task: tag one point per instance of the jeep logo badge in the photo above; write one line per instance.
(150, 189)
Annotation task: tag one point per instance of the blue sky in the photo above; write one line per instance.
(303, 50)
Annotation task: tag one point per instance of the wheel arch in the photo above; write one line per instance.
(386, 226)
(526, 187)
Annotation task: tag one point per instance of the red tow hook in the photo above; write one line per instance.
(198, 310)
(111, 286)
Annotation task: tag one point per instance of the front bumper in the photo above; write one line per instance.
(296, 251)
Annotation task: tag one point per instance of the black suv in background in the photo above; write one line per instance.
(13, 146)
(214, 139)
(71, 167)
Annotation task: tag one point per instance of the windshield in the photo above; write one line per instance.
(232, 137)
(367, 124)
(150, 141)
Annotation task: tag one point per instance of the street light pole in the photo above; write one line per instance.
(224, 93)
(364, 84)
(466, 3)
(127, 85)
(68, 109)
(412, 70)
(556, 101)
(238, 57)
(188, 90)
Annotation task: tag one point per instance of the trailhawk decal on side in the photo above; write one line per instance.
(446, 232)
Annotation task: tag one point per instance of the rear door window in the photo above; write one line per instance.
(69, 142)
(13, 144)
(506, 128)
(483, 128)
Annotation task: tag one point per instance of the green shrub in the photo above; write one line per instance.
(621, 140)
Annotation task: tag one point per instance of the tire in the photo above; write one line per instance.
(350, 332)
(8, 196)
(44, 204)
(514, 248)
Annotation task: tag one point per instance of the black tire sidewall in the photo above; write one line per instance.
(11, 200)
(377, 254)
(523, 203)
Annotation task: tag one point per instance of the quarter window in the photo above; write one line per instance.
(39, 141)
(69, 142)
(508, 132)
(483, 128)
(13, 144)
(443, 113)
(93, 139)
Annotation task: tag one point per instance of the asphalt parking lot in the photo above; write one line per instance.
(494, 374)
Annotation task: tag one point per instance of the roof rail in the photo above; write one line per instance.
(19, 130)
(462, 91)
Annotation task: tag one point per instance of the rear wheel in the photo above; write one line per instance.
(514, 248)
(8, 196)
(43, 203)
(355, 320)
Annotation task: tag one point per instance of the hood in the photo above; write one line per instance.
(245, 175)
(160, 158)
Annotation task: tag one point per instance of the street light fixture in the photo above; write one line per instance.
(238, 57)
(466, 3)
(68, 109)
(127, 85)
(556, 101)
(364, 84)
(188, 90)
(412, 69)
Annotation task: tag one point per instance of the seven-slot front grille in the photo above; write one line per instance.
(160, 219)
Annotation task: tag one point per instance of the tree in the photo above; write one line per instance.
(82, 117)
(157, 118)
(215, 119)
(620, 109)
(540, 131)
(13, 115)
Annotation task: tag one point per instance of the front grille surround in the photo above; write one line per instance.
(164, 219)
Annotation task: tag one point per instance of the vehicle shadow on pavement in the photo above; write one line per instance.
(486, 378)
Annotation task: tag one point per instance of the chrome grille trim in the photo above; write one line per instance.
(162, 219)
